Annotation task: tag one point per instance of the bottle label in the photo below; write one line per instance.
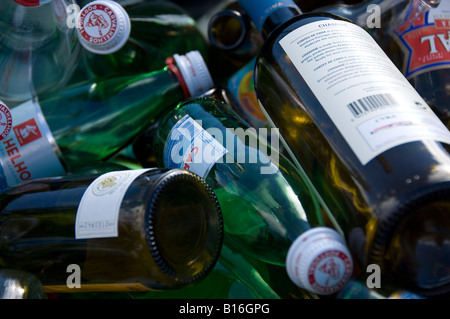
(29, 151)
(366, 96)
(241, 85)
(98, 211)
(192, 148)
(426, 44)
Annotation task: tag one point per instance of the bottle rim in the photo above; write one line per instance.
(231, 14)
(167, 179)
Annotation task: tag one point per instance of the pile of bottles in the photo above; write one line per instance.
(239, 149)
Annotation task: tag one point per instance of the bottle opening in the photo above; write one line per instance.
(185, 227)
(227, 29)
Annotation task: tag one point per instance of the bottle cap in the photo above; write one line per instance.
(195, 72)
(103, 26)
(319, 261)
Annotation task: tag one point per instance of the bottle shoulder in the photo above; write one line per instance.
(297, 22)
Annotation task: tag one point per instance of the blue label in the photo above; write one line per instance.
(259, 10)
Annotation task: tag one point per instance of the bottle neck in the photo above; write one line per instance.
(269, 14)
(277, 18)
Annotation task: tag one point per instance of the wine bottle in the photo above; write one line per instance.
(91, 121)
(38, 51)
(269, 213)
(147, 229)
(16, 284)
(376, 153)
(148, 33)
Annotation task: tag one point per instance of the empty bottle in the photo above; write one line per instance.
(129, 230)
(91, 121)
(269, 211)
(38, 50)
(148, 33)
(372, 147)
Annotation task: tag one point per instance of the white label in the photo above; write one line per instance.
(29, 151)
(98, 211)
(367, 97)
(192, 148)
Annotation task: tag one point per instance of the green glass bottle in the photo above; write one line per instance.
(148, 33)
(91, 121)
(372, 147)
(268, 209)
(129, 230)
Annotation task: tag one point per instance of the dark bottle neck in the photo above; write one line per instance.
(277, 18)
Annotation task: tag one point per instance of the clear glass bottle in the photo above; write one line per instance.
(38, 51)
(129, 230)
(374, 150)
(91, 121)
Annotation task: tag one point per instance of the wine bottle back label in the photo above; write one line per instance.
(192, 148)
(426, 43)
(98, 211)
(29, 151)
(366, 96)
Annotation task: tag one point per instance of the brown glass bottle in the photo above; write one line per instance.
(395, 205)
(164, 231)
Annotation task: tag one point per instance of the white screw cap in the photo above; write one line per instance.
(195, 72)
(103, 26)
(319, 261)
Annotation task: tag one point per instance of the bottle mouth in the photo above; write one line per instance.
(231, 33)
(412, 245)
(184, 227)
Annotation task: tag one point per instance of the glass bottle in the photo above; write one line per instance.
(149, 32)
(91, 121)
(16, 284)
(235, 39)
(119, 231)
(38, 51)
(417, 41)
(269, 212)
(374, 150)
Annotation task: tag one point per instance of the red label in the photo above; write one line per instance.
(427, 46)
(27, 132)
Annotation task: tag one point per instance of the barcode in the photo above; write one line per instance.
(371, 103)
